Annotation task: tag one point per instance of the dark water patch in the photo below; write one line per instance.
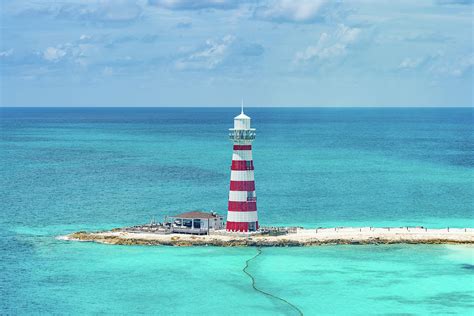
(440, 270)
(25, 139)
(191, 173)
(451, 299)
(374, 281)
(384, 284)
(69, 154)
(373, 273)
(21, 244)
(395, 298)
(467, 266)
(57, 279)
(324, 271)
(360, 282)
(188, 173)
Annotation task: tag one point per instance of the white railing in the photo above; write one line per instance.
(242, 135)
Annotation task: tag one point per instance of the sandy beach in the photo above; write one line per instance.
(302, 237)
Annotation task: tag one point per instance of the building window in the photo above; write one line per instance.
(251, 196)
(197, 223)
(252, 227)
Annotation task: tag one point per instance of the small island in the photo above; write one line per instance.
(279, 237)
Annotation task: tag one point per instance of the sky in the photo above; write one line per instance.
(215, 52)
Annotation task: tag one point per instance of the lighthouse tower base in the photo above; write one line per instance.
(241, 227)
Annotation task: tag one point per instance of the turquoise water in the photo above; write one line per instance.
(64, 170)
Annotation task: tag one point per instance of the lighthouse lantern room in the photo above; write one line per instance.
(242, 208)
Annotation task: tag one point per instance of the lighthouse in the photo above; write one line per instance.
(242, 208)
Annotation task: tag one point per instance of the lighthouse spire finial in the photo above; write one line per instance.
(242, 107)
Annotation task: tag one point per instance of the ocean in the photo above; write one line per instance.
(69, 169)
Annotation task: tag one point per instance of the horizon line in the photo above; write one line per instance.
(247, 106)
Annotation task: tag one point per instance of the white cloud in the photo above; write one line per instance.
(85, 37)
(330, 45)
(464, 65)
(194, 4)
(99, 11)
(298, 11)
(438, 64)
(54, 54)
(410, 63)
(6, 53)
(209, 57)
(76, 51)
(455, 67)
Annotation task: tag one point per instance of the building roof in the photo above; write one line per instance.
(196, 214)
(242, 116)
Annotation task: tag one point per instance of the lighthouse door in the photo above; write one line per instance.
(252, 227)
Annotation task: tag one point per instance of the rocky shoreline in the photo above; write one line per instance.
(303, 237)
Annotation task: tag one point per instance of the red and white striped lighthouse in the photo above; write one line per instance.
(242, 210)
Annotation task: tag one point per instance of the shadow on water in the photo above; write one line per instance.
(467, 266)
(259, 252)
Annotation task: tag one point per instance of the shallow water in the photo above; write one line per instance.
(65, 170)
(68, 277)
